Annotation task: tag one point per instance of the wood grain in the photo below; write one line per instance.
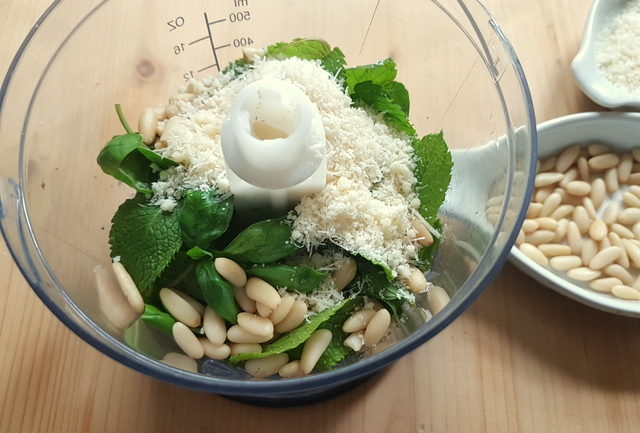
(522, 359)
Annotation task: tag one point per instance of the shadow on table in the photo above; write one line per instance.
(588, 345)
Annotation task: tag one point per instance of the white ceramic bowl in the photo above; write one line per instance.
(585, 68)
(621, 131)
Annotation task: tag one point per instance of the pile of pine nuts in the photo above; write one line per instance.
(584, 219)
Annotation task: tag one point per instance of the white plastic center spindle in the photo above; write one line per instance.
(274, 147)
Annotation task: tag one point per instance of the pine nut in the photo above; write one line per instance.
(597, 149)
(231, 271)
(604, 285)
(256, 325)
(583, 169)
(529, 226)
(630, 199)
(564, 263)
(615, 240)
(625, 292)
(561, 231)
(111, 300)
(610, 213)
(634, 179)
(636, 284)
(265, 367)
(546, 179)
(603, 162)
(611, 180)
(567, 157)
(636, 154)
(358, 320)
(377, 327)
(620, 273)
(346, 272)
(424, 236)
(578, 187)
(598, 230)
(550, 204)
(180, 308)
(598, 192)
(291, 369)
(148, 125)
(562, 211)
(590, 208)
(293, 319)
(282, 310)
(542, 194)
(261, 291)
(128, 287)
(313, 349)
(187, 341)
(237, 348)
(178, 360)
(581, 218)
(195, 304)
(547, 223)
(589, 250)
(569, 176)
(574, 238)
(170, 111)
(605, 257)
(245, 302)
(548, 164)
(629, 216)
(263, 310)
(625, 167)
(438, 298)
(417, 282)
(354, 341)
(237, 334)
(622, 231)
(633, 251)
(553, 250)
(540, 237)
(214, 351)
(636, 230)
(214, 327)
(520, 238)
(534, 254)
(605, 243)
(583, 274)
(633, 189)
(534, 210)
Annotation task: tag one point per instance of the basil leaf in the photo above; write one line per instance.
(377, 73)
(263, 242)
(293, 338)
(197, 253)
(302, 278)
(158, 319)
(204, 217)
(146, 240)
(180, 274)
(217, 292)
(374, 283)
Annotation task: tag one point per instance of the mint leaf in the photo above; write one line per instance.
(398, 94)
(379, 99)
(204, 216)
(433, 172)
(145, 239)
(263, 242)
(336, 351)
(302, 278)
(306, 49)
(158, 319)
(292, 339)
(217, 292)
(377, 73)
(334, 62)
(373, 281)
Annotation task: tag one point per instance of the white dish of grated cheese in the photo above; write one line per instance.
(607, 67)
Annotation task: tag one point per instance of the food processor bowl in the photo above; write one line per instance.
(82, 57)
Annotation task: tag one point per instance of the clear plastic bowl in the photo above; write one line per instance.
(83, 56)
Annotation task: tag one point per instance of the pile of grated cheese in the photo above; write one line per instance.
(618, 49)
(368, 202)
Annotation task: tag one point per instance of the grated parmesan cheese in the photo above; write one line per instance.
(368, 202)
(618, 52)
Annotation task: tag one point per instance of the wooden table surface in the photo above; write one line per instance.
(522, 359)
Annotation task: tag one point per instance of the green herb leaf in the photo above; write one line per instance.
(433, 172)
(123, 119)
(263, 242)
(217, 292)
(180, 274)
(306, 49)
(237, 67)
(145, 239)
(301, 277)
(336, 351)
(334, 62)
(293, 338)
(375, 285)
(398, 94)
(197, 253)
(377, 73)
(127, 159)
(158, 319)
(379, 99)
(204, 216)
